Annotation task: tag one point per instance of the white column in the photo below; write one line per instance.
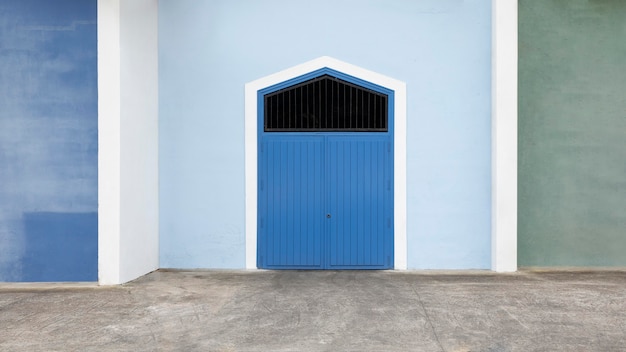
(128, 211)
(108, 141)
(504, 136)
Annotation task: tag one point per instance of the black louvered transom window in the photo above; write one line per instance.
(325, 103)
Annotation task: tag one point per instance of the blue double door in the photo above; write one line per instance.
(325, 201)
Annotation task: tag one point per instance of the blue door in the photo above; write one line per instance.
(291, 202)
(359, 181)
(325, 196)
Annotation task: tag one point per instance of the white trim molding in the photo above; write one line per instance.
(504, 136)
(251, 105)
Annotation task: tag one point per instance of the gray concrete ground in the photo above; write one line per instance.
(322, 311)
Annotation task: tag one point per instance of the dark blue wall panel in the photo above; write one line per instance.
(48, 140)
(60, 246)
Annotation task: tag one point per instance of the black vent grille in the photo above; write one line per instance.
(327, 104)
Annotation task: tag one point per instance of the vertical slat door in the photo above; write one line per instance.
(325, 175)
(360, 202)
(291, 202)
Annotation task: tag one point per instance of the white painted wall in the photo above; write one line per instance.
(128, 139)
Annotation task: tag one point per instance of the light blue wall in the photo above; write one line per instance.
(48, 140)
(208, 50)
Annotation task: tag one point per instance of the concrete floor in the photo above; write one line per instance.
(321, 311)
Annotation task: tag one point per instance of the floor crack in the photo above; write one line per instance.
(430, 322)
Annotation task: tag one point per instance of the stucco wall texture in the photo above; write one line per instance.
(208, 51)
(572, 133)
(48, 141)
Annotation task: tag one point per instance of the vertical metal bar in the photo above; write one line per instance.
(318, 97)
(282, 107)
(300, 103)
(376, 111)
(318, 117)
(325, 103)
(310, 93)
(344, 106)
(379, 104)
(363, 96)
(336, 104)
(369, 110)
(282, 110)
(385, 109)
(332, 104)
(306, 102)
(381, 111)
(361, 119)
(358, 91)
(292, 120)
(350, 117)
(292, 109)
(273, 112)
(379, 99)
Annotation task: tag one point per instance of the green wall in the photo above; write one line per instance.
(572, 133)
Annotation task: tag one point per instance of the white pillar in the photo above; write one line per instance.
(108, 141)
(504, 136)
(128, 216)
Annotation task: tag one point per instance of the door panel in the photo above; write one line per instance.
(360, 232)
(325, 201)
(291, 210)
